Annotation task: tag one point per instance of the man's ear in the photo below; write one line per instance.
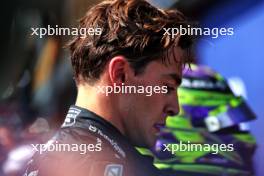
(118, 70)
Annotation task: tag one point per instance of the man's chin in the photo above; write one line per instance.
(147, 142)
(147, 138)
(151, 140)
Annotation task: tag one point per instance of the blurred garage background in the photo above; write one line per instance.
(36, 85)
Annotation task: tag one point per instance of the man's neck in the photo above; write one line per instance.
(100, 104)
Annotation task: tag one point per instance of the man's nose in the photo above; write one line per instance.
(173, 106)
(172, 111)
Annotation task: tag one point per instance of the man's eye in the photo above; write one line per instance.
(170, 89)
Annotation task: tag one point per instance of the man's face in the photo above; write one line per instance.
(142, 114)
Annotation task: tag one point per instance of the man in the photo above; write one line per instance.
(132, 50)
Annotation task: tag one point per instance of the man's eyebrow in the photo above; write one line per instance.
(177, 78)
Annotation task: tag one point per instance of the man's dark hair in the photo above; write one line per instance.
(132, 28)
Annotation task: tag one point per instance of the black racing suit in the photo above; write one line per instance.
(107, 152)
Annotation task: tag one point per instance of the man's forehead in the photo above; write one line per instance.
(177, 77)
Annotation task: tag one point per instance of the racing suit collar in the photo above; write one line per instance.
(78, 114)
